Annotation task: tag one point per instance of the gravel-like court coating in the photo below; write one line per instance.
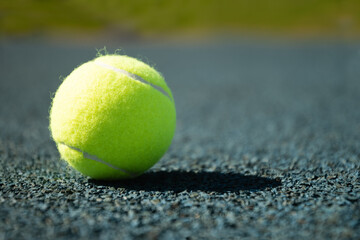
(267, 146)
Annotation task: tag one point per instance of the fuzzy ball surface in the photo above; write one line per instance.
(113, 117)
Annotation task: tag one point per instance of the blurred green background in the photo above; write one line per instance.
(183, 18)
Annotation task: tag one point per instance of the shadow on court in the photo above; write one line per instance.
(179, 181)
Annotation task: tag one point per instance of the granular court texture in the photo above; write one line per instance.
(267, 146)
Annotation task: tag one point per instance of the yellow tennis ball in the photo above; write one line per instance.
(113, 117)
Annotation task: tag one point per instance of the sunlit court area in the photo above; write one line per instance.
(179, 119)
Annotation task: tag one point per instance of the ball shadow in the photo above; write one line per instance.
(179, 181)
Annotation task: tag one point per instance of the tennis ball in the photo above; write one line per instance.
(113, 117)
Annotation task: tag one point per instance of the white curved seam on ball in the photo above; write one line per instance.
(133, 76)
(95, 158)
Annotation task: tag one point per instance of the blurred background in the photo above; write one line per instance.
(183, 19)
